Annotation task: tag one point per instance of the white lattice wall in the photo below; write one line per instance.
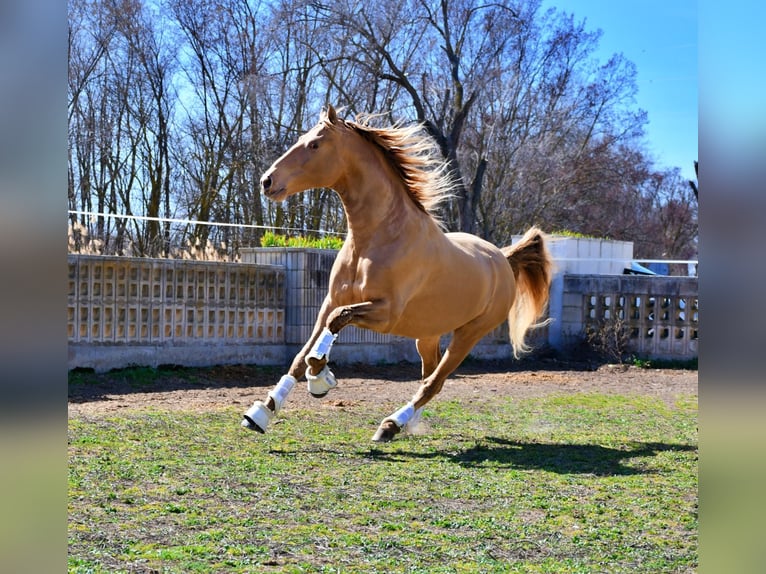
(124, 311)
(659, 315)
(130, 300)
(121, 310)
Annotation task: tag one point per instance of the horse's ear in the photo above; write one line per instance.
(332, 116)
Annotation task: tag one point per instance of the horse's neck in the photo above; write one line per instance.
(377, 207)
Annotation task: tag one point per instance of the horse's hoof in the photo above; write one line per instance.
(386, 432)
(318, 395)
(257, 417)
(249, 424)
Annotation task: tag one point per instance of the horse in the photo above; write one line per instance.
(398, 271)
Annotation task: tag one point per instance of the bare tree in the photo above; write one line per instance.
(177, 107)
(672, 227)
(102, 158)
(215, 114)
(120, 116)
(156, 61)
(436, 64)
(554, 115)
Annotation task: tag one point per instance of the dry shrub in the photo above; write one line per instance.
(609, 339)
(79, 241)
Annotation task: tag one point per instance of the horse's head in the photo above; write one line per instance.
(313, 161)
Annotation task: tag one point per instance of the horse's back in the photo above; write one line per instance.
(463, 279)
(471, 252)
(473, 244)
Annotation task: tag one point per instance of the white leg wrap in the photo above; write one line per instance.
(321, 349)
(259, 414)
(321, 383)
(403, 415)
(281, 391)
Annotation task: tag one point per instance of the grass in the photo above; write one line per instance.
(576, 483)
(687, 364)
(135, 377)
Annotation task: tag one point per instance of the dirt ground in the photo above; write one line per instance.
(199, 390)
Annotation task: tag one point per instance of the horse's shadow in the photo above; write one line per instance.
(596, 460)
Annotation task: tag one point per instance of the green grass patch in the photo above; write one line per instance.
(688, 364)
(271, 239)
(577, 483)
(135, 377)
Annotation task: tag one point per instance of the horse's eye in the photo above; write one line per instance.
(313, 144)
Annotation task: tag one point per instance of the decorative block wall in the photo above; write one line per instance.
(132, 311)
(133, 300)
(307, 278)
(161, 304)
(659, 315)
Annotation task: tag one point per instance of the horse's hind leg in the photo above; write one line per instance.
(462, 342)
(430, 354)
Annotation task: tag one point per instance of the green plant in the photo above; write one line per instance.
(691, 364)
(573, 234)
(329, 242)
(271, 239)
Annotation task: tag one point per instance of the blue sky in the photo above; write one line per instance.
(660, 38)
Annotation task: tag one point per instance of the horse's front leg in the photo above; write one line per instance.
(312, 360)
(259, 415)
(370, 315)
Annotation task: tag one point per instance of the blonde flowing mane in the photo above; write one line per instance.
(417, 159)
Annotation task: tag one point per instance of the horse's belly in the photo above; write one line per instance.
(418, 323)
(437, 311)
(433, 294)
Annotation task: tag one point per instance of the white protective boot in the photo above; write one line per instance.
(321, 383)
(259, 416)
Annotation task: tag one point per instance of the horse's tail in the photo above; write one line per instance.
(532, 267)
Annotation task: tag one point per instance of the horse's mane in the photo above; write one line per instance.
(417, 159)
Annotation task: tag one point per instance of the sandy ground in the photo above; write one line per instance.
(217, 388)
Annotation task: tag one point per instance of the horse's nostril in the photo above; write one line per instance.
(266, 183)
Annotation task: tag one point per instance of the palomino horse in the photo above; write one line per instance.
(398, 272)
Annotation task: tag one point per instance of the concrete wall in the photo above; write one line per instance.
(125, 311)
(580, 255)
(131, 311)
(660, 315)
